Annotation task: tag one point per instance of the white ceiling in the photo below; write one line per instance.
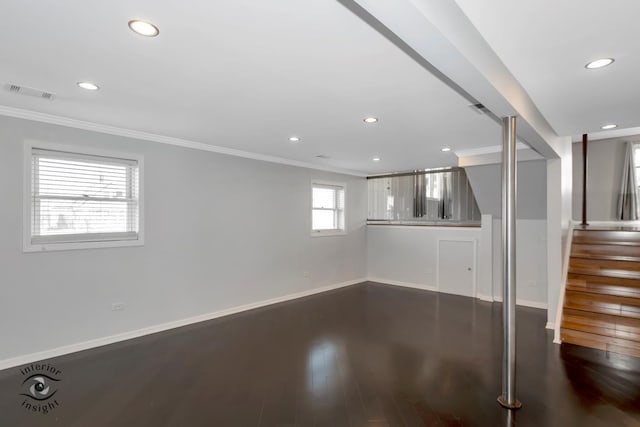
(244, 74)
(546, 44)
(247, 74)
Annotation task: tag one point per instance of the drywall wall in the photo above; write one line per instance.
(604, 174)
(220, 232)
(408, 254)
(486, 181)
(559, 193)
(531, 261)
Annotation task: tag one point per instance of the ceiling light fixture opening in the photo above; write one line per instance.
(445, 149)
(370, 120)
(609, 126)
(294, 139)
(88, 85)
(143, 28)
(599, 63)
(376, 159)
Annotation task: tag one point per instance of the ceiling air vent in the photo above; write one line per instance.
(478, 108)
(322, 156)
(29, 91)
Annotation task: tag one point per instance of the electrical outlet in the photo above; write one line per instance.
(117, 306)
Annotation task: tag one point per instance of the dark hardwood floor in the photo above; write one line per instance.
(367, 355)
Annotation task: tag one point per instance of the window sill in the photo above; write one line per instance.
(328, 233)
(70, 246)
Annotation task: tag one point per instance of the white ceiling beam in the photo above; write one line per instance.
(439, 36)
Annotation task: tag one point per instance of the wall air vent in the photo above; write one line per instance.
(29, 91)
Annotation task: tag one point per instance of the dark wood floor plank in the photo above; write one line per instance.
(367, 355)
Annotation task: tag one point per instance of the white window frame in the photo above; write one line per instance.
(334, 232)
(107, 242)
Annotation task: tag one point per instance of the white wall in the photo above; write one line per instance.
(531, 261)
(408, 254)
(559, 190)
(220, 232)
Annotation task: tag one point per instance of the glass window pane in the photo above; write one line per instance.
(324, 197)
(323, 220)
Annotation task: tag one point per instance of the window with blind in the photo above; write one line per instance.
(328, 208)
(636, 160)
(81, 200)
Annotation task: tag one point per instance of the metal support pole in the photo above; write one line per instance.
(508, 396)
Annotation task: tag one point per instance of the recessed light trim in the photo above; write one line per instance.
(370, 120)
(599, 63)
(376, 159)
(143, 28)
(88, 85)
(609, 126)
(294, 139)
(445, 149)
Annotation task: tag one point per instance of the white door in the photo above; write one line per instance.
(456, 267)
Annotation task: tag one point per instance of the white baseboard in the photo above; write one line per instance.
(526, 303)
(522, 302)
(403, 284)
(550, 325)
(99, 342)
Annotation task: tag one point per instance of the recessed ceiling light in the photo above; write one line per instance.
(88, 85)
(445, 149)
(143, 28)
(599, 63)
(376, 159)
(609, 126)
(370, 120)
(294, 139)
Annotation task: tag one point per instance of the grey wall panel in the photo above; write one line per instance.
(532, 189)
(605, 158)
(220, 232)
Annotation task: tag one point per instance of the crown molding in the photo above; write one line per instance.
(146, 136)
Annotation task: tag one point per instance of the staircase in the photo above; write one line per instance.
(602, 301)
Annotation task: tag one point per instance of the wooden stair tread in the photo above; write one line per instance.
(603, 280)
(590, 271)
(601, 342)
(602, 324)
(606, 252)
(611, 237)
(625, 288)
(602, 297)
(603, 264)
(600, 303)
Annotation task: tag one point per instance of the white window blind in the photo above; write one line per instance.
(636, 159)
(327, 208)
(83, 198)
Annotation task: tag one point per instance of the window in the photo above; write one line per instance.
(636, 160)
(80, 200)
(327, 212)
